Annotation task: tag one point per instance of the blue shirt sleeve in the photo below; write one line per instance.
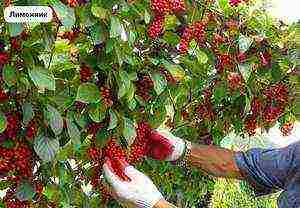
(269, 170)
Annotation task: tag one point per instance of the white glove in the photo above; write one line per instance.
(140, 191)
(165, 146)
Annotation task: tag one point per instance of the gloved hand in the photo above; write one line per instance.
(138, 191)
(163, 145)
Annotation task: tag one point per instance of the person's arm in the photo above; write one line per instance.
(164, 204)
(215, 161)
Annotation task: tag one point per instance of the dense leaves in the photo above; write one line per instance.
(102, 74)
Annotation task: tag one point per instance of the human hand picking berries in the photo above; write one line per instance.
(163, 145)
(138, 191)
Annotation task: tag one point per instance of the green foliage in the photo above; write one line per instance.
(79, 80)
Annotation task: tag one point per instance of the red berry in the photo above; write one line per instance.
(138, 149)
(3, 96)
(86, 73)
(94, 127)
(234, 2)
(278, 92)
(205, 111)
(185, 40)
(256, 106)
(13, 125)
(4, 57)
(287, 128)
(177, 6)
(271, 113)
(31, 129)
(265, 58)
(106, 96)
(234, 80)
(199, 31)
(241, 57)
(95, 154)
(159, 7)
(156, 27)
(15, 44)
(144, 85)
(251, 125)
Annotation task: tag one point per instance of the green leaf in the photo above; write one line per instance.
(88, 93)
(160, 83)
(28, 113)
(124, 84)
(42, 78)
(64, 13)
(3, 123)
(97, 33)
(15, 29)
(116, 28)
(129, 132)
(55, 120)
(176, 71)
(97, 114)
(9, 75)
(245, 70)
(25, 191)
(147, 17)
(46, 148)
(219, 93)
(244, 43)
(113, 120)
(201, 56)
(73, 132)
(170, 22)
(99, 12)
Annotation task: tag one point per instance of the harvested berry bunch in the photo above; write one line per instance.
(278, 92)
(158, 147)
(144, 85)
(116, 154)
(272, 113)
(138, 149)
(95, 154)
(86, 73)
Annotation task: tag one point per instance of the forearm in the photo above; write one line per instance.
(215, 161)
(164, 204)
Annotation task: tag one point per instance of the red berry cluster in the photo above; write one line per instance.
(106, 96)
(287, 128)
(177, 6)
(205, 111)
(234, 3)
(3, 96)
(93, 128)
(160, 9)
(75, 3)
(15, 203)
(4, 57)
(185, 39)
(241, 57)
(17, 159)
(256, 106)
(199, 31)
(79, 106)
(115, 153)
(170, 79)
(224, 61)
(69, 35)
(265, 59)
(86, 73)
(278, 92)
(32, 129)
(13, 125)
(235, 81)
(144, 85)
(95, 154)
(138, 148)
(251, 125)
(156, 27)
(15, 44)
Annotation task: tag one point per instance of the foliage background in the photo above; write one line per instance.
(42, 79)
